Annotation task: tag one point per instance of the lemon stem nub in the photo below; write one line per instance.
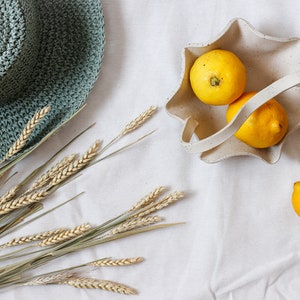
(214, 81)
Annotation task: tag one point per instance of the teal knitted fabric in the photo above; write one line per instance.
(19, 45)
(50, 54)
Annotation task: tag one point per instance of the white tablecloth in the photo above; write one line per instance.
(241, 236)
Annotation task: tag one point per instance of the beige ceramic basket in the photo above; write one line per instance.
(273, 69)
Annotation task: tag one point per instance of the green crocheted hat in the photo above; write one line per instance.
(50, 55)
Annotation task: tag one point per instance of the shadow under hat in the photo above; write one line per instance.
(50, 55)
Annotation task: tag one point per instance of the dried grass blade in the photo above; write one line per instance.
(4, 182)
(31, 209)
(97, 241)
(123, 148)
(24, 251)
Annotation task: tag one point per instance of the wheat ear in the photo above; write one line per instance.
(77, 165)
(139, 121)
(21, 141)
(50, 279)
(65, 235)
(91, 283)
(9, 195)
(108, 262)
(23, 200)
(44, 178)
(32, 238)
(158, 205)
(148, 198)
(135, 223)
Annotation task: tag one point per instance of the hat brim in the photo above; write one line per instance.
(68, 64)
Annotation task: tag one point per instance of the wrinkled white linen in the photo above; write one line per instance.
(241, 238)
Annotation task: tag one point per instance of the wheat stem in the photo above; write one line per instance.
(42, 214)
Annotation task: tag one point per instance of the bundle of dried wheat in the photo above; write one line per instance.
(26, 198)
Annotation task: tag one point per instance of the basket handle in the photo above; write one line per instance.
(226, 132)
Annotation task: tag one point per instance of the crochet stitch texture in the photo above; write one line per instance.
(50, 54)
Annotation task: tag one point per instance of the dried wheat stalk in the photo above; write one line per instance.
(58, 167)
(23, 200)
(148, 198)
(65, 235)
(50, 279)
(9, 195)
(21, 141)
(158, 205)
(77, 165)
(15, 274)
(135, 223)
(108, 262)
(131, 126)
(36, 196)
(137, 122)
(32, 238)
(91, 283)
(62, 276)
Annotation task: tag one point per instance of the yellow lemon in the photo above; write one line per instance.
(265, 127)
(218, 77)
(296, 197)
